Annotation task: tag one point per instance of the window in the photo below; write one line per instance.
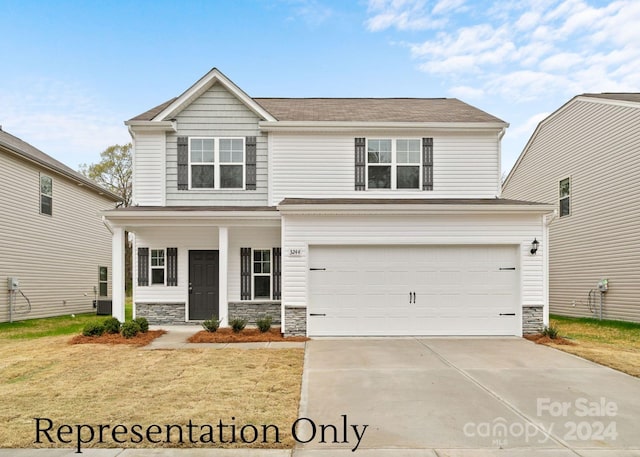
(102, 281)
(202, 155)
(262, 274)
(46, 195)
(157, 266)
(393, 164)
(216, 163)
(565, 197)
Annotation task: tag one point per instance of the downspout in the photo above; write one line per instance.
(547, 220)
(500, 135)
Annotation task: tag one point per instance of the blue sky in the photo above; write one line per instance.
(73, 71)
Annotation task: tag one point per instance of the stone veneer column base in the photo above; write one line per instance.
(295, 321)
(532, 319)
(162, 313)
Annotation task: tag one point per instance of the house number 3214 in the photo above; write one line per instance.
(295, 252)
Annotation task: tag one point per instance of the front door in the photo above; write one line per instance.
(203, 284)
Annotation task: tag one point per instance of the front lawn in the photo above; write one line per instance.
(107, 385)
(612, 343)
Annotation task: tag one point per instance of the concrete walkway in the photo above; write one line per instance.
(177, 335)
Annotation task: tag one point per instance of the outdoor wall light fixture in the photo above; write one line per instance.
(534, 246)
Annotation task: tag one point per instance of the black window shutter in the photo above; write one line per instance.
(172, 266)
(277, 269)
(427, 164)
(183, 163)
(250, 179)
(143, 266)
(245, 273)
(360, 144)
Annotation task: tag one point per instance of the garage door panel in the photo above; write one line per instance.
(459, 290)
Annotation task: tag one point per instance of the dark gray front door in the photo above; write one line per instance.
(203, 284)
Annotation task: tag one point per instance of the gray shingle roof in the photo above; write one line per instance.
(405, 201)
(362, 110)
(623, 96)
(24, 149)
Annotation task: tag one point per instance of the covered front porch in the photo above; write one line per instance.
(195, 263)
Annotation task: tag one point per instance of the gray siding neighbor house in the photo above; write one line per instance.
(54, 243)
(584, 159)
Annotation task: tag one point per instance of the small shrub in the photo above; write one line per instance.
(111, 325)
(238, 324)
(551, 332)
(212, 324)
(143, 323)
(130, 329)
(93, 329)
(264, 323)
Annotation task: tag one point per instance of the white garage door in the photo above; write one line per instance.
(413, 290)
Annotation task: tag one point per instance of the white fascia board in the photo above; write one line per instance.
(191, 218)
(310, 126)
(608, 101)
(152, 126)
(201, 86)
(400, 209)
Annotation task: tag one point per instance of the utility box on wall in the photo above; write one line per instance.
(13, 283)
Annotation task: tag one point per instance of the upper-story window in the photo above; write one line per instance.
(393, 163)
(565, 197)
(216, 163)
(46, 195)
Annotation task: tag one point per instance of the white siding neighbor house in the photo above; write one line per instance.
(55, 253)
(339, 217)
(583, 159)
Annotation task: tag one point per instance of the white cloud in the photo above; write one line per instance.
(444, 6)
(526, 128)
(402, 15)
(466, 92)
(62, 120)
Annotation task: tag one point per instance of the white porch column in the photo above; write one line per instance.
(223, 266)
(117, 273)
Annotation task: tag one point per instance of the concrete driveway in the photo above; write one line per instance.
(463, 397)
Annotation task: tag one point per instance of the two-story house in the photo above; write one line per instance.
(337, 216)
(55, 251)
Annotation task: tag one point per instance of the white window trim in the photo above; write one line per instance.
(42, 175)
(394, 165)
(216, 163)
(253, 274)
(152, 267)
(568, 197)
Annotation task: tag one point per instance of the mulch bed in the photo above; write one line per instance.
(141, 339)
(541, 339)
(248, 335)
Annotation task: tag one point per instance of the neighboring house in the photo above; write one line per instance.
(584, 160)
(336, 216)
(54, 241)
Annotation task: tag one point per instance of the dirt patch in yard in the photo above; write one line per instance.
(542, 339)
(120, 384)
(248, 335)
(141, 339)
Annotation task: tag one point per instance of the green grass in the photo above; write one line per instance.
(601, 331)
(53, 326)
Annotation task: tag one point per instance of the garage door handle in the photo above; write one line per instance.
(507, 314)
(507, 268)
(317, 269)
(317, 314)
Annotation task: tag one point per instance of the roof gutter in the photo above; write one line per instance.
(153, 126)
(361, 209)
(270, 126)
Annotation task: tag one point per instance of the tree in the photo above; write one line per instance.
(114, 173)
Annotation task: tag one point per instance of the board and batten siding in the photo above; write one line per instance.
(323, 166)
(197, 238)
(300, 232)
(55, 258)
(149, 168)
(216, 113)
(596, 145)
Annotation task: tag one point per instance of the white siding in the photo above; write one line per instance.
(323, 165)
(304, 231)
(596, 145)
(55, 258)
(188, 238)
(149, 169)
(217, 113)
